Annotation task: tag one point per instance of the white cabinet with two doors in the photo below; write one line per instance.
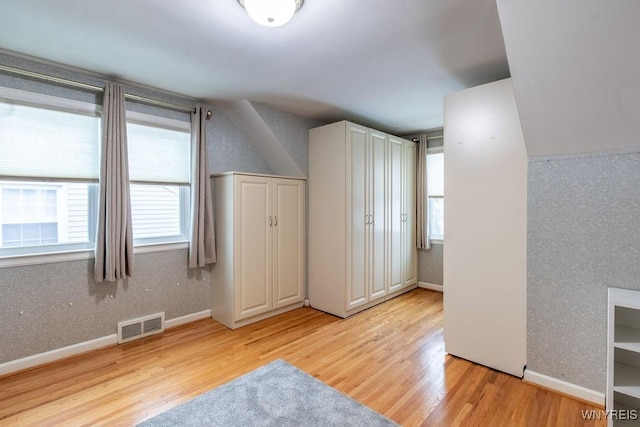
(260, 239)
(362, 238)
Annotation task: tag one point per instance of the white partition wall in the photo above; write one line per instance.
(485, 227)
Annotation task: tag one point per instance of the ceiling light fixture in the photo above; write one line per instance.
(271, 13)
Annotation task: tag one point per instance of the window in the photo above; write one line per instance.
(435, 191)
(49, 163)
(159, 171)
(49, 170)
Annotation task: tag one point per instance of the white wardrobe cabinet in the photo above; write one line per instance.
(361, 216)
(260, 243)
(402, 188)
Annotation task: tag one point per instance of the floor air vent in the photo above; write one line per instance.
(140, 327)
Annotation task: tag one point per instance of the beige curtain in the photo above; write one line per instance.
(114, 240)
(202, 248)
(423, 240)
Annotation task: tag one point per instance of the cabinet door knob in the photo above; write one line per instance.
(270, 221)
(275, 224)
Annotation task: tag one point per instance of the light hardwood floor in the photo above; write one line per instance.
(390, 358)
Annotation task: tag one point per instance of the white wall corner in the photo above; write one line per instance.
(561, 386)
(431, 286)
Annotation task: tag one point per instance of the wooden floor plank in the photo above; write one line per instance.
(390, 358)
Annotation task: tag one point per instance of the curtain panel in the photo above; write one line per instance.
(114, 239)
(202, 249)
(423, 240)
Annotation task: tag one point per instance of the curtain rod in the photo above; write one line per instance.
(94, 88)
(429, 138)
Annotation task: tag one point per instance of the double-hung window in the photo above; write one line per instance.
(159, 174)
(49, 170)
(48, 173)
(435, 191)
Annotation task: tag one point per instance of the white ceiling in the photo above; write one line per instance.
(575, 67)
(384, 63)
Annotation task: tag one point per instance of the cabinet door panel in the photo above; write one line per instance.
(288, 241)
(396, 263)
(356, 214)
(410, 254)
(253, 250)
(377, 202)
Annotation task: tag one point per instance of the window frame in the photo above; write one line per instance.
(185, 190)
(63, 252)
(42, 254)
(438, 238)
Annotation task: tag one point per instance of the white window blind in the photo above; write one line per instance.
(435, 190)
(435, 168)
(44, 143)
(159, 172)
(158, 155)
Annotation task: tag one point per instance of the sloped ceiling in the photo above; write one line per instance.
(575, 66)
(384, 63)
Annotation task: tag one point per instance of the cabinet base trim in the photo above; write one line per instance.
(563, 387)
(351, 312)
(243, 322)
(431, 286)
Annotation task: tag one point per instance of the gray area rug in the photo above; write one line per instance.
(277, 394)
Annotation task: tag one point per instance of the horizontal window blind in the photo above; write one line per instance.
(435, 168)
(48, 144)
(158, 155)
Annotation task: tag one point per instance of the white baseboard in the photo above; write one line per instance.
(564, 387)
(187, 319)
(57, 354)
(83, 347)
(433, 287)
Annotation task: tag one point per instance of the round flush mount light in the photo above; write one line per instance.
(271, 13)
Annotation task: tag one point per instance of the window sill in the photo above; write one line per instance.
(83, 254)
(437, 241)
(49, 258)
(159, 247)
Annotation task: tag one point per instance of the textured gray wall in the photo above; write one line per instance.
(229, 148)
(583, 237)
(430, 264)
(290, 130)
(60, 303)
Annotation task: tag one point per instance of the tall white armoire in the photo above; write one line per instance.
(362, 241)
(260, 239)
